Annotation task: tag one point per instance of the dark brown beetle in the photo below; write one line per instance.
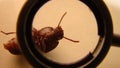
(45, 39)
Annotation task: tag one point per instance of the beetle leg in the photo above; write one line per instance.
(71, 40)
(8, 33)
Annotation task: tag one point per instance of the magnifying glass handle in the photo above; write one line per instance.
(116, 40)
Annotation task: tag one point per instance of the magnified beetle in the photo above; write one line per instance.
(45, 39)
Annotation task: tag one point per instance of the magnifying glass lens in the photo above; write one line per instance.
(74, 22)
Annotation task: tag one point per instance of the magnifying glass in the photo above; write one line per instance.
(65, 34)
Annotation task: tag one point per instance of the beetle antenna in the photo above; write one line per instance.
(8, 33)
(62, 18)
(71, 40)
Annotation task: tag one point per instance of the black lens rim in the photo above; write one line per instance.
(24, 27)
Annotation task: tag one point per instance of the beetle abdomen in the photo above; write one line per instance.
(12, 46)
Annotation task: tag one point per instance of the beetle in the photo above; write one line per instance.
(45, 39)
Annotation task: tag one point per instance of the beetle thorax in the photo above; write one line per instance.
(51, 33)
(46, 31)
